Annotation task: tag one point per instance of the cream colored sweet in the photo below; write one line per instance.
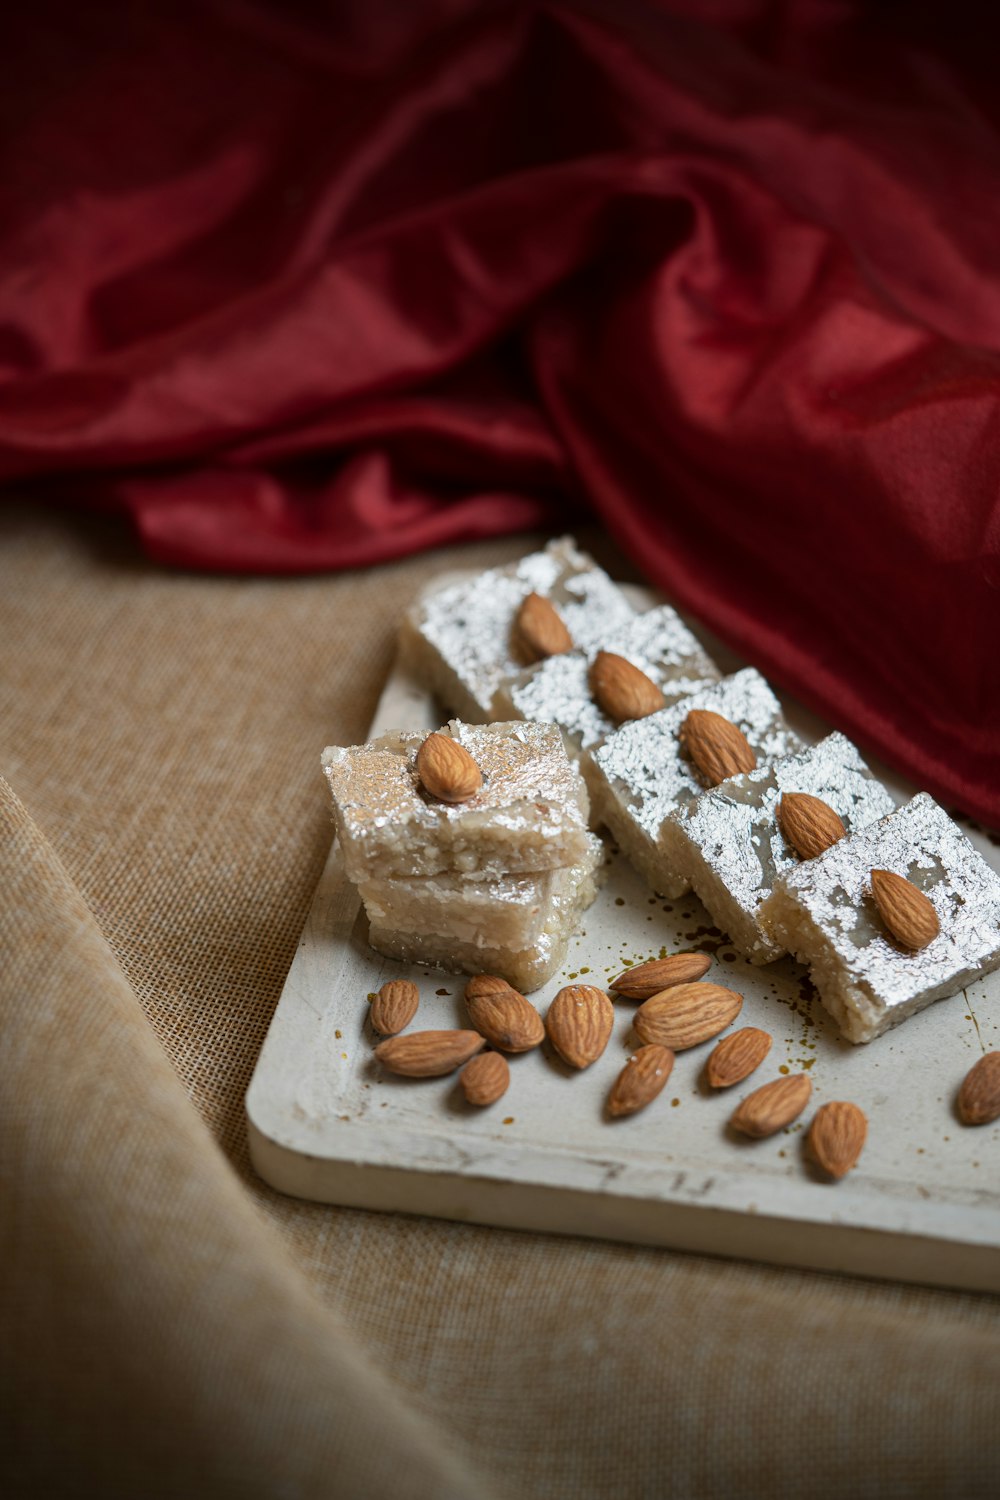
(729, 845)
(459, 642)
(529, 816)
(823, 912)
(641, 774)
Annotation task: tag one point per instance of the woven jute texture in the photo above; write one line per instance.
(175, 1328)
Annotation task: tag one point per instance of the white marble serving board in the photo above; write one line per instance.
(326, 1123)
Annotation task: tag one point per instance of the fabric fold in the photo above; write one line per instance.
(159, 1340)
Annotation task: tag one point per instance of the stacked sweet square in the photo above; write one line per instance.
(469, 847)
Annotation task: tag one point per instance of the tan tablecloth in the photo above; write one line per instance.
(174, 1328)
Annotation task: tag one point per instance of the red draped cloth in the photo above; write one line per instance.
(303, 286)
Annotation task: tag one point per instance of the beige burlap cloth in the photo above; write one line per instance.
(173, 1327)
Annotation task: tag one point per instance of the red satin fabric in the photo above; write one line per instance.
(308, 286)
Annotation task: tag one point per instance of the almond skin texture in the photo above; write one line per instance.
(428, 1054)
(837, 1136)
(621, 690)
(394, 1006)
(485, 1078)
(579, 1023)
(642, 1078)
(736, 1057)
(485, 984)
(772, 1107)
(447, 770)
(659, 974)
(906, 912)
(539, 629)
(979, 1097)
(686, 1015)
(506, 1019)
(809, 824)
(718, 748)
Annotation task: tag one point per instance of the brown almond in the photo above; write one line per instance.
(772, 1107)
(979, 1096)
(428, 1054)
(809, 824)
(837, 1136)
(718, 748)
(659, 974)
(621, 689)
(579, 1023)
(506, 1019)
(908, 915)
(485, 984)
(485, 1078)
(642, 1078)
(447, 770)
(686, 1015)
(394, 1006)
(539, 629)
(736, 1057)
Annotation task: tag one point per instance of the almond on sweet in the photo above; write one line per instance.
(809, 824)
(717, 747)
(621, 690)
(539, 629)
(907, 914)
(446, 769)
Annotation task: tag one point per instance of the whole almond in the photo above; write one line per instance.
(539, 629)
(621, 689)
(979, 1096)
(485, 1078)
(428, 1054)
(485, 984)
(772, 1107)
(686, 1015)
(394, 1006)
(641, 1079)
(736, 1057)
(809, 824)
(447, 770)
(837, 1136)
(659, 974)
(506, 1019)
(718, 748)
(907, 913)
(579, 1023)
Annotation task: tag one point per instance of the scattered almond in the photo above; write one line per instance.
(539, 629)
(428, 1054)
(447, 770)
(485, 1078)
(485, 984)
(837, 1136)
(736, 1057)
(394, 1006)
(506, 1019)
(579, 1023)
(809, 824)
(907, 913)
(659, 974)
(718, 748)
(641, 1079)
(621, 689)
(979, 1096)
(686, 1015)
(772, 1107)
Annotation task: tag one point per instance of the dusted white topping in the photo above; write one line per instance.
(470, 623)
(920, 842)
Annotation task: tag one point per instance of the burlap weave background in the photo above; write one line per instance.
(173, 1327)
